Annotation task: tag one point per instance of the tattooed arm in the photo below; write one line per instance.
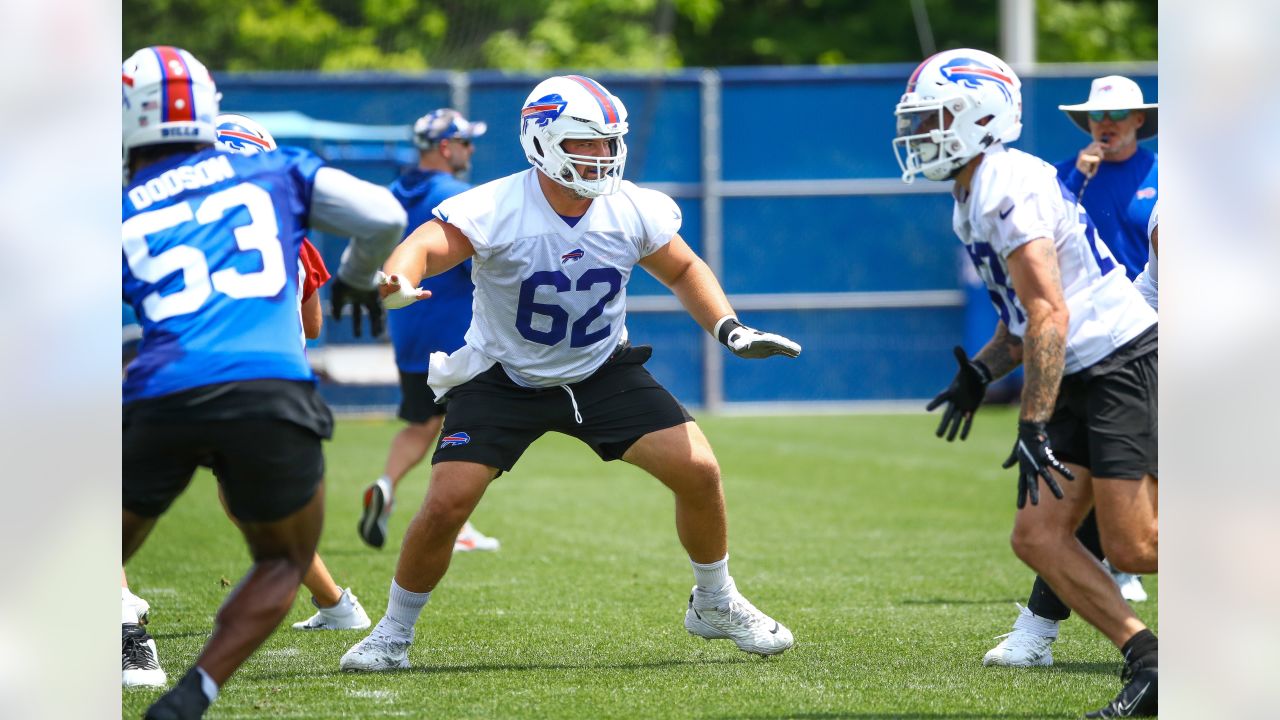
(1002, 353)
(1038, 284)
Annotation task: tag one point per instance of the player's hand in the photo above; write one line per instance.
(396, 293)
(1089, 158)
(752, 344)
(360, 301)
(1034, 458)
(962, 396)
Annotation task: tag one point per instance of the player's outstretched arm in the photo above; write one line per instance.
(678, 267)
(429, 250)
(374, 220)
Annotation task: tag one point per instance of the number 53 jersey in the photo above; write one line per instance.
(210, 246)
(550, 299)
(1016, 198)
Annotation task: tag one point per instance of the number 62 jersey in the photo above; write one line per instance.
(1016, 198)
(550, 299)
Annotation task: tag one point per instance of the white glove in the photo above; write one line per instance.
(750, 343)
(400, 295)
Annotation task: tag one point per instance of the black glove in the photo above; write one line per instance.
(752, 344)
(342, 294)
(962, 397)
(1034, 457)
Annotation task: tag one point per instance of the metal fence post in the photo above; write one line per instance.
(712, 231)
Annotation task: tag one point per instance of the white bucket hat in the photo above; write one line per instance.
(1114, 92)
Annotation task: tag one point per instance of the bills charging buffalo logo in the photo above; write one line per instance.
(572, 255)
(971, 74)
(542, 111)
(459, 438)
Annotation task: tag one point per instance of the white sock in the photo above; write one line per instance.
(342, 596)
(128, 613)
(712, 577)
(207, 684)
(404, 607)
(1042, 626)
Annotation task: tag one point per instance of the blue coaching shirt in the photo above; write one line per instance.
(441, 321)
(210, 257)
(1119, 199)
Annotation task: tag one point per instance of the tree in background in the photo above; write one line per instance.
(644, 35)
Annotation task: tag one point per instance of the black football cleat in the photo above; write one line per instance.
(1140, 696)
(186, 701)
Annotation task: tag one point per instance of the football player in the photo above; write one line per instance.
(210, 246)
(1071, 318)
(548, 350)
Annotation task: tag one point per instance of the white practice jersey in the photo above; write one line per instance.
(1148, 281)
(550, 301)
(1016, 198)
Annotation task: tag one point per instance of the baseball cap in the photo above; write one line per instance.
(445, 124)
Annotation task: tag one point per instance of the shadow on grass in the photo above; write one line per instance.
(883, 716)
(957, 601)
(1087, 668)
(159, 636)
(516, 667)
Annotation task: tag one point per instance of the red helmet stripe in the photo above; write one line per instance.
(179, 101)
(602, 97)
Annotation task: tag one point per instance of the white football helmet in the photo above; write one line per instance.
(574, 106)
(976, 91)
(242, 136)
(168, 96)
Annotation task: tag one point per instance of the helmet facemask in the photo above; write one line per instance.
(564, 167)
(927, 142)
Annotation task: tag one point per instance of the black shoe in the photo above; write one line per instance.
(1140, 696)
(373, 521)
(186, 701)
(138, 663)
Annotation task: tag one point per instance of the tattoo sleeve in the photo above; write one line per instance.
(1002, 353)
(1044, 347)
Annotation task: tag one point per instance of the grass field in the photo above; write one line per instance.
(884, 550)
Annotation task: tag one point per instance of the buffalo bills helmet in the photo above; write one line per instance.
(168, 96)
(574, 107)
(981, 96)
(242, 136)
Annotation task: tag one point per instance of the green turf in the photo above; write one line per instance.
(884, 549)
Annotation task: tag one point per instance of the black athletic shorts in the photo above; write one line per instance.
(1105, 419)
(261, 438)
(417, 401)
(492, 420)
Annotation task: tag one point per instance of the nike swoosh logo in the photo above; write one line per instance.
(697, 614)
(775, 627)
(1005, 214)
(1126, 709)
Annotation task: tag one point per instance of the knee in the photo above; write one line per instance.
(704, 472)
(1032, 543)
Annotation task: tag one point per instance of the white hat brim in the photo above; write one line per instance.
(1079, 115)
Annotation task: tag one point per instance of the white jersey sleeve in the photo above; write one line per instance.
(659, 216)
(1147, 281)
(1014, 209)
(343, 204)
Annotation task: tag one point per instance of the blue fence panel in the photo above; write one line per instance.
(839, 243)
(677, 351)
(851, 355)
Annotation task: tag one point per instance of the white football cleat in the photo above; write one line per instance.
(346, 615)
(139, 664)
(1024, 646)
(1130, 585)
(469, 538)
(729, 615)
(377, 511)
(380, 650)
(140, 606)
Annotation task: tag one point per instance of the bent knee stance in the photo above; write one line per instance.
(1134, 552)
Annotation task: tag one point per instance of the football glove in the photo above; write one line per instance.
(342, 294)
(962, 397)
(750, 343)
(1034, 458)
(396, 294)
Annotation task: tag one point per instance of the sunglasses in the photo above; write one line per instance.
(1116, 115)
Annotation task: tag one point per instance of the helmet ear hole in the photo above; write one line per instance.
(538, 146)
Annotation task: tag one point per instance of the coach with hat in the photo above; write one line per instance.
(1114, 177)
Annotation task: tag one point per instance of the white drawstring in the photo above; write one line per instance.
(576, 415)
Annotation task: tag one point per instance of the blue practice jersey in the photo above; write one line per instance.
(1119, 199)
(441, 321)
(210, 249)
